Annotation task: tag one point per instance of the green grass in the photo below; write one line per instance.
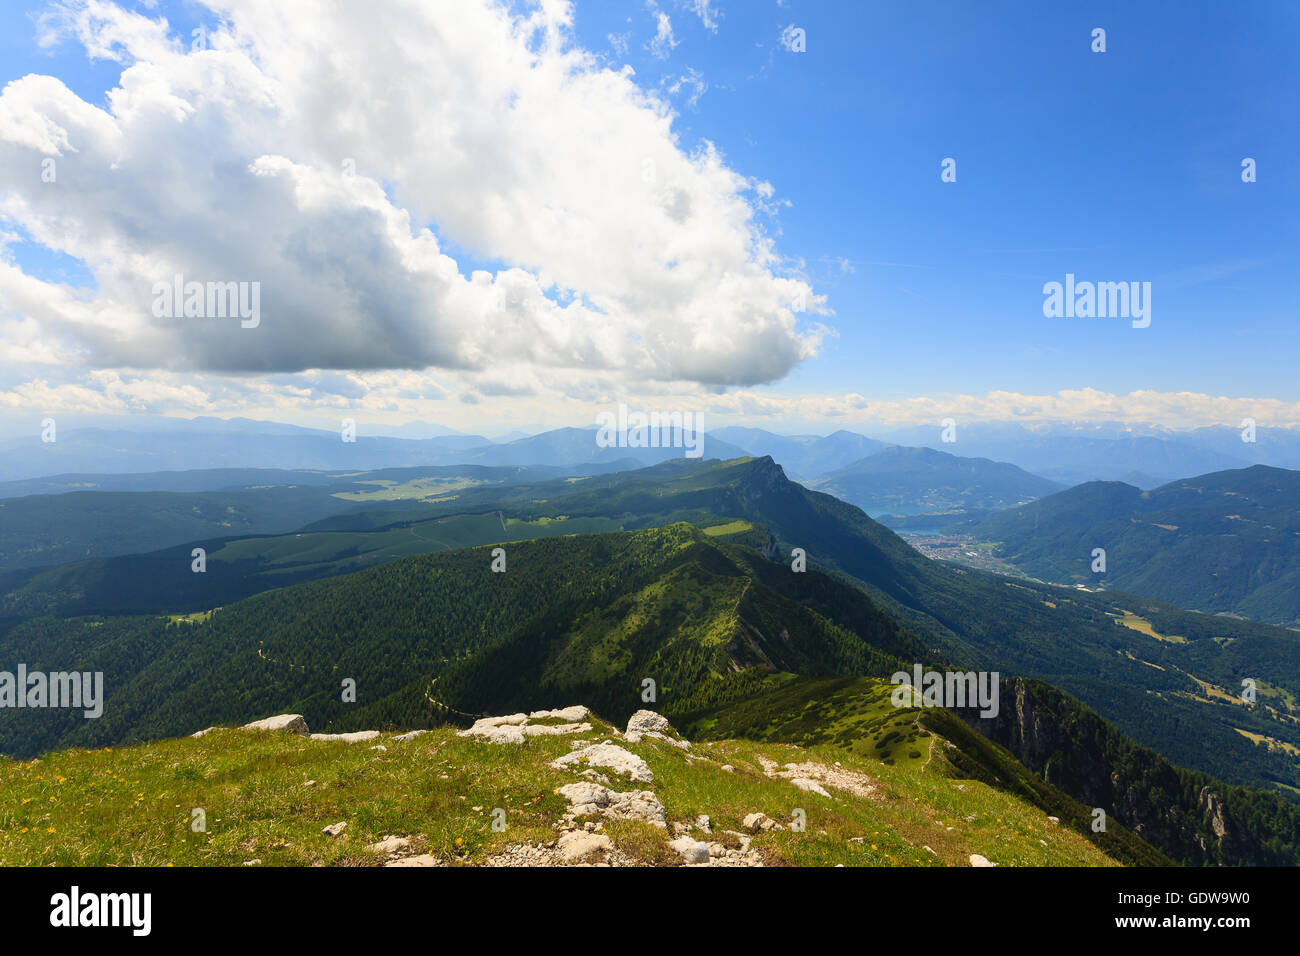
(855, 716)
(416, 488)
(133, 806)
(194, 617)
(730, 527)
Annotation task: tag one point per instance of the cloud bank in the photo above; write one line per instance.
(413, 186)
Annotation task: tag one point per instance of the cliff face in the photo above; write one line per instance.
(1184, 814)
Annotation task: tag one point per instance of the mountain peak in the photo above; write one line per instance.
(763, 474)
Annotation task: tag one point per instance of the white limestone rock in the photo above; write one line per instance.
(507, 720)
(607, 755)
(554, 730)
(391, 846)
(409, 735)
(294, 723)
(572, 714)
(812, 786)
(644, 721)
(495, 733)
(577, 844)
(592, 799)
(692, 851)
(760, 821)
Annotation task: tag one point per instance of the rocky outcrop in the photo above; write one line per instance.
(692, 851)
(573, 714)
(294, 723)
(554, 730)
(579, 844)
(391, 847)
(760, 821)
(610, 756)
(646, 723)
(498, 734)
(592, 799)
(513, 728)
(409, 735)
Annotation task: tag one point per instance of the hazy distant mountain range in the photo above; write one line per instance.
(1065, 455)
(93, 450)
(803, 456)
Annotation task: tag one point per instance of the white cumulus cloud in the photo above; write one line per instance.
(413, 185)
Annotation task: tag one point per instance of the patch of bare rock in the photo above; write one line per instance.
(409, 735)
(592, 799)
(571, 715)
(399, 851)
(294, 723)
(646, 723)
(515, 728)
(611, 756)
(423, 859)
(297, 724)
(760, 821)
(815, 777)
(573, 848)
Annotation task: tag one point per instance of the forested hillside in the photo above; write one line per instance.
(437, 637)
(1228, 541)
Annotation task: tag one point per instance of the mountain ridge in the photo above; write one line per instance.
(1227, 541)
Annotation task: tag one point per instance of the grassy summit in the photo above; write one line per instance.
(268, 796)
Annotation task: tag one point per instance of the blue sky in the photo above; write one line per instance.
(1123, 165)
(1115, 166)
